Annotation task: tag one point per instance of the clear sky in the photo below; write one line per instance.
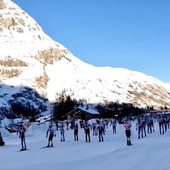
(132, 34)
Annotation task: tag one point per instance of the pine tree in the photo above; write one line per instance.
(64, 105)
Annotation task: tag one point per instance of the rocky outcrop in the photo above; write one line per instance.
(2, 5)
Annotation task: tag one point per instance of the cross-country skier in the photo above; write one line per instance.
(144, 126)
(22, 131)
(76, 132)
(101, 132)
(149, 122)
(161, 124)
(67, 124)
(113, 123)
(87, 132)
(62, 132)
(141, 127)
(50, 134)
(127, 126)
(2, 143)
(94, 128)
(165, 122)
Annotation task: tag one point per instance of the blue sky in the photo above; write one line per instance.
(132, 34)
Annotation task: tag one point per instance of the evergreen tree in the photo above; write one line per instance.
(64, 105)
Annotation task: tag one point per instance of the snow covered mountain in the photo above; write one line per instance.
(30, 58)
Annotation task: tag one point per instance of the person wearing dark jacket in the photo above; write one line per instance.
(50, 135)
(87, 132)
(101, 132)
(22, 131)
(76, 132)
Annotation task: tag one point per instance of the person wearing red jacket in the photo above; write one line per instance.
(127, 126)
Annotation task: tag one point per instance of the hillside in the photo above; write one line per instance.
(31, 59)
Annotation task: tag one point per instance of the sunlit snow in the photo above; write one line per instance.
(150, 153)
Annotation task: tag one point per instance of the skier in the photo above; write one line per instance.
(22, 131)
(101, 132)
(50, 135)
(67, 123)
(161, 124)
(168, 121)
(62, 133)
(141, 127)
(127, 126)
(149, 123)
(56, 125)
(76, 132)
(2, 143)
(107, 123)
(165, 122)
(93, 128)
(144, 126)
(113, 122)
(87, 132)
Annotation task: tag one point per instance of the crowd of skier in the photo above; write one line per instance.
(98, 127)
(145, 124)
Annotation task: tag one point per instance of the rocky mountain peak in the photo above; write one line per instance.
(24, 45)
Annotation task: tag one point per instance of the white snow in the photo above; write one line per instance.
(34, 38)
(97, 85)
(150, 153)
(89, 110)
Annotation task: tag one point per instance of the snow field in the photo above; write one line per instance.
(150, 153)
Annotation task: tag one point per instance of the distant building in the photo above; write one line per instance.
(82, 113)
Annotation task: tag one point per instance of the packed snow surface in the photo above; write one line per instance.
(149, 153)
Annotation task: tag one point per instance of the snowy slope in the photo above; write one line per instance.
(14, 24)
(31, 58)
(150, 153)
(99, 85)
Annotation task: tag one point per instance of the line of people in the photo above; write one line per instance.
(164, 123)
(98, 129)
(144, 126)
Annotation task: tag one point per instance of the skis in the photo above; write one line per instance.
(129, 141)
(23, 150)
(47, 147)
